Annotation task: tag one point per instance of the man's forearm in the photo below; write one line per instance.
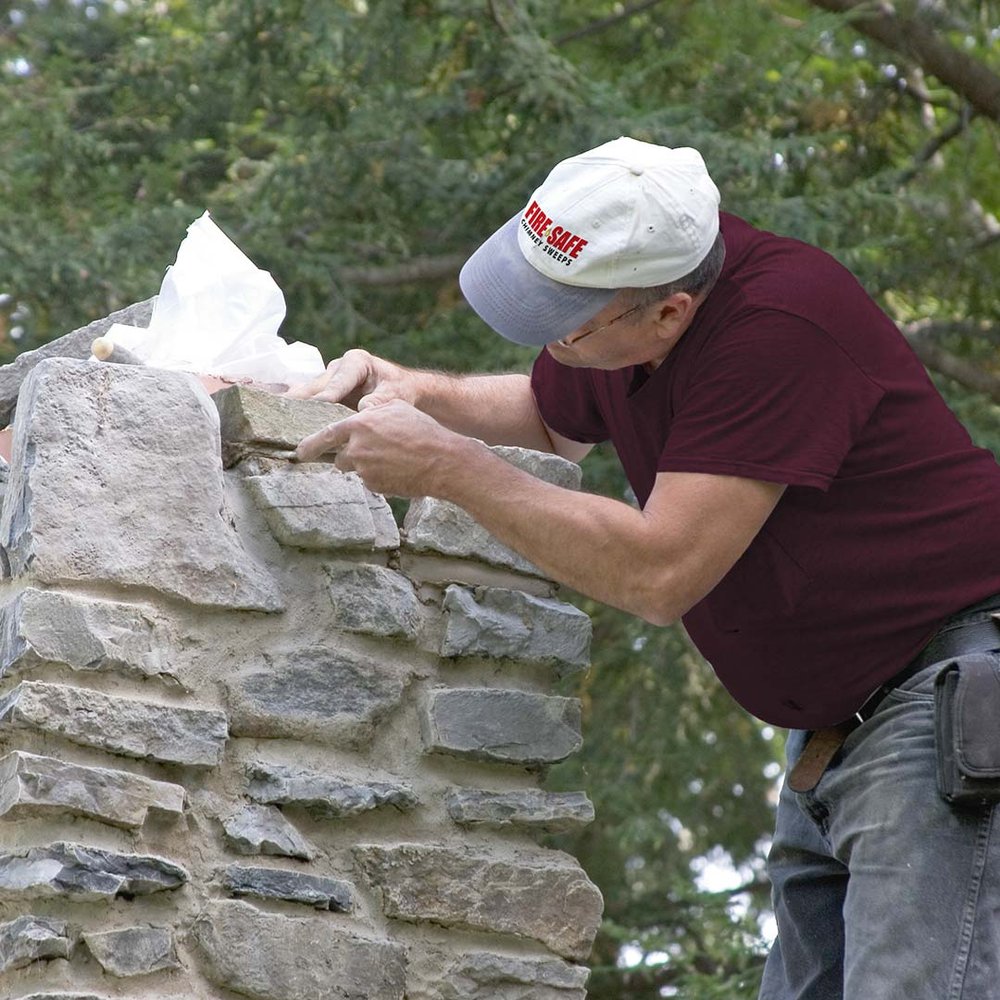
(601, 547)
(497, 409)
(655, 563)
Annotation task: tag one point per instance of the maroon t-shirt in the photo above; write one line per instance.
(891, 520)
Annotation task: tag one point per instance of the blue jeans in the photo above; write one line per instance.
(881, 890)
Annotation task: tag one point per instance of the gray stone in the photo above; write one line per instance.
(40, 627)
(116, 477)
(68, 996)
(255, 422)
(318, 693)
(512, 727)
(383, 521)
(316, 506)
(27, 939)
(325, 797)
(263, 830)
(483, 976)
(433, 525)
(508, 623)
(38, 786)
(84, 873)
(133, 951)
(72, 345)
(529, 808)
(267, 956)
(546, 897)
(295, 887)
(543, 465)
(373, 600)
(166, 733)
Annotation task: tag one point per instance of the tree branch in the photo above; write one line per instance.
(605, 22)
(925, 155)
(931, 329)
(920, 335)
(911, 85)
(914, 37)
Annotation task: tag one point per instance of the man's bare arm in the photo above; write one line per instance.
(655, 563)
(497, 409)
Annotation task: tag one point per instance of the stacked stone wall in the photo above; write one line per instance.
(255, 741)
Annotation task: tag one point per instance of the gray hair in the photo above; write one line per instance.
(695, 282)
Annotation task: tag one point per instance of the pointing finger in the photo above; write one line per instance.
(330, 438)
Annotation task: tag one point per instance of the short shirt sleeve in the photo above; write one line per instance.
(566, 400)
(775, 398)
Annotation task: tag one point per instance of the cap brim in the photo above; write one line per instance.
(520, 303)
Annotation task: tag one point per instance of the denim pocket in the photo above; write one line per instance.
(919, 687)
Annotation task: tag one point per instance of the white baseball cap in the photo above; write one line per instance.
(627, 214)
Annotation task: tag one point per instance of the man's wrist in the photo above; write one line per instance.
(432, 390)
(458, 465)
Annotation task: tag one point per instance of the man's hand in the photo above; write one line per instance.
(360, 380)
(396, 449)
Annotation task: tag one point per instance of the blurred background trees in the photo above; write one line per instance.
(359, 150)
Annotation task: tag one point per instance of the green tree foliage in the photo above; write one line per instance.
(359, 149)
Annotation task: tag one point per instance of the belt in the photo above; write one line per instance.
(951, 641)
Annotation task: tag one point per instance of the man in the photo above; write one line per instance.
(808, 506)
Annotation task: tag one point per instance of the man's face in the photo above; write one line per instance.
(619, 336)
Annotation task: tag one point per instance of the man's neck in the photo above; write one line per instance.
(650, 366)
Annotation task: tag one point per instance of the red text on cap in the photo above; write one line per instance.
(557, 236)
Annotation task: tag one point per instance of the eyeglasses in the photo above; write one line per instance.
(598, 329)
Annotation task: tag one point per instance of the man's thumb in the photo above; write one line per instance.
(375, 398)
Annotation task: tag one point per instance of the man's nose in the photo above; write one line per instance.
(571, 338)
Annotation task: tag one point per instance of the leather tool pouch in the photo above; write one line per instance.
(967, 730)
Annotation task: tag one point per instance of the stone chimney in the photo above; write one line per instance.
(255, 741)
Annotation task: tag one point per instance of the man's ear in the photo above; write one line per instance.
(674, 313)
